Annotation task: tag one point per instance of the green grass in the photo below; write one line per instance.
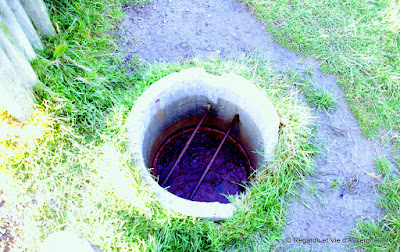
(358, 41)
(335, 184)
(321, 100)
(67, 168)
(384, 235)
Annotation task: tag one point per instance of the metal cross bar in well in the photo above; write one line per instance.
(186, 145)
(235, 119)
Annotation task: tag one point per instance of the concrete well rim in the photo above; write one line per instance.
(188, 82)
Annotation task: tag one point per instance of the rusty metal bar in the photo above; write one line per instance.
(186, 145)
(213, 157)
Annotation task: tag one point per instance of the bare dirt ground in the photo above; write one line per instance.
(171, 30)
(342, 191)
(15, 230)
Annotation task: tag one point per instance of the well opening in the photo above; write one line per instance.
(228, 172)
(165, 116)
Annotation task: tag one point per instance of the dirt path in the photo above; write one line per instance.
(168, 30)
(342, 191)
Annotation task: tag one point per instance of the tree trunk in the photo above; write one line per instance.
(7, 16)
(15, 97)
(37, 11)
(25, 23)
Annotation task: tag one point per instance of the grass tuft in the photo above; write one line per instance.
(384, 234)
(318, 99)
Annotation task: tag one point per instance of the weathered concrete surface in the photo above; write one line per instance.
(181, 95)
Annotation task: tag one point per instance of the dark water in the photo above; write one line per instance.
(229, 169)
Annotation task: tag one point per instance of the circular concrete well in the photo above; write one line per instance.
(166, 115)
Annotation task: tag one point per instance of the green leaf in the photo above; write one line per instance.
(59, 51)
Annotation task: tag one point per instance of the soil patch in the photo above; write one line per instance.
(343, 189)
(173, 30)
(12, 226)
